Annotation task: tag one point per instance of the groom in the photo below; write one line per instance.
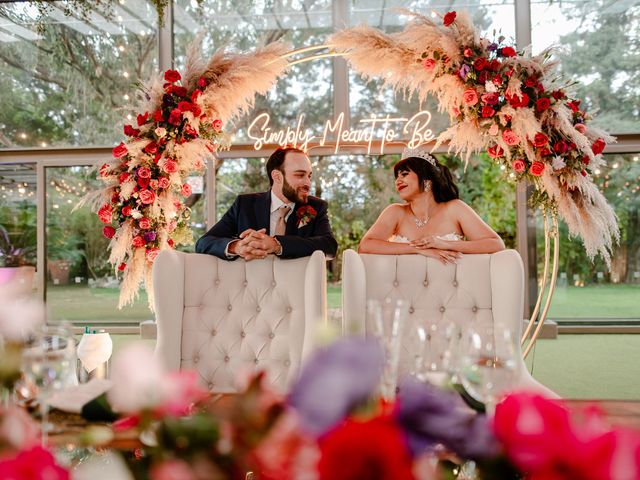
(285, 221)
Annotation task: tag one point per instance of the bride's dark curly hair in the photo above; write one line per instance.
(442, 183)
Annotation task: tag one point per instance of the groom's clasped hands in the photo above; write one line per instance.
(254, 244)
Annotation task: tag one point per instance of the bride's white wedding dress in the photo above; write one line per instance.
(449, 237)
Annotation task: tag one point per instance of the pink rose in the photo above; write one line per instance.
(120, 151)
(163, 182)
(518, 165)
(490, 98)
(144, 223)
(467, 52)
(108, 231)
(510, 138)
(144, 172)
(138, 241)
(152, 253)
(147, 196)
(105, 213)
(170, 166)
(429, 64)
(185, 191)
(126, 211)
(36, 463)
(581, 127)
(536, 169)
(217, 125)
(153, 184)
(470, 97)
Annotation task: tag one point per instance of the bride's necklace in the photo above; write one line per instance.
(419, 222)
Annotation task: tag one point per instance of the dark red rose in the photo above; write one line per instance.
(544, 152)
(143, 182)
(108, 231)
(542, 104)
(185, 106)
(449, 18)
(586, 159)
(157, 116)
(142, 118)
(508, 51)
(120, 151)
(558, 94)
(483, 76)
(196, 110)
(480, 63)
(494, 65)
(151, 148)
(202, 82)
(497, 80)
(495, 151)
(531, 81)
(540, 87)
(172, 76)
(598, 146)
(179, 91)
(574, 105)
(487, 111)
(129, 131)
(123, 177)
(175, 118)
(560, 147)
(126, 211)
(540, 139)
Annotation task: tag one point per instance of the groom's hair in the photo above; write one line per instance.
(442, 183)
(276, 160)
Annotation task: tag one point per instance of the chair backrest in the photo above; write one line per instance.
(485, 292)
(226, 319)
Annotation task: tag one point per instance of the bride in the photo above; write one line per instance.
(433, 222)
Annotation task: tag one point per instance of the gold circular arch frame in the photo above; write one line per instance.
(550, 220)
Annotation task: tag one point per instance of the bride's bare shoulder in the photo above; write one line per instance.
(395, 209)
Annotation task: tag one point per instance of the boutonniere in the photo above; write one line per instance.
(305, 215)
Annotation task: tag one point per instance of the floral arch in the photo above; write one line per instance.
(512, 105)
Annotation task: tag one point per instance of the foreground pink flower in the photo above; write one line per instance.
(172, 470)
(17, 430)
(510, 138)
(518, 165)
(470, 97)
(34, 464)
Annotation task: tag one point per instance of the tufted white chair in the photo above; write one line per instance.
(484, 291)
(225, 319)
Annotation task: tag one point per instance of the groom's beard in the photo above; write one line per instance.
(296, 195)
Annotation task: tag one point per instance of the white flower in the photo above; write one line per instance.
(136, 214)
(490, 87)
(160, 132)
(558, 163)
(18, 316)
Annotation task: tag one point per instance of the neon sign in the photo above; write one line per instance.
(385, 129)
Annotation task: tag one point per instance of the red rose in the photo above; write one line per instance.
(147, 196)
(142, 118)
(143, 182)
(202, 82)
(163, 182)
(179, 91)
(429, 64)
(158, 155)
(129, 131)
(494, 65)
(483, 76)
(497, 80)
(144, 223)
(495, 151)
(574, 105)
(126, 211)
(537, 168)
(138, 241)
(542, 104)
(195, 95)
(185, 191)
(558, 94)
(105, 213)
(508, 51)
(108, 231)
(172, 76)
(124, 176)
(120, 151)
(586, 159)
(122, 266)
(185, 106)
(560, 147)
(490, 98)
(175, 118)
(217, 125)
(467, 52)
(190, 131)
(598, 146)
(365, 449)
(449, 18)
(531, 81)
(544, 152)
(519, 102)
(157, 116)
(170, 242)
(151, 148)
(580, 127)
(487, 111)
(518, 165)
(153, 183)
(480, 63)
(144, 172)
(510, 138)
(540, 140)
(170, 166)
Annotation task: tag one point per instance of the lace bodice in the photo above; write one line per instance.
(448, 237)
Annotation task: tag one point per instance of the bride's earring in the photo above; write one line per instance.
(426, 186)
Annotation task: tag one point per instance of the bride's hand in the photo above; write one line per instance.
(430, 242)
(445, 256)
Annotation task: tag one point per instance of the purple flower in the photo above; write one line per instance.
(430, 416)
(464, 71)
(334, 381)
(492, 47)
(149, 237)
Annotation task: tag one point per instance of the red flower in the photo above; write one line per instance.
(518, 165)
(490, 98)
(126, 211)
(202, 82)
(508, 51)
(531, 81)
(495, 151)
(519, 102)
(560, 147)
(147, 196)
(467, 52)
(108, 231)
(580, 127)
(429, 64)
(185, 106)
(163, 182)
(185, 191)
(119, 151)
(544, 152)
(170, 242)
(151, 254)
(584, 173)
(598, 146)
(190, 131)
(305, 215)
(195, 95)
(574, 105)
(122, 266)
(177, 90)
(123, 177)
(138, 241)
(143, 182)
(558, 94)
(144, 172)
(175, 117)
(151, 148)
(170, 166)
(157, 116)
(494, 65)
(142, 118)
(172, 76)
(449, 18)
(217, 125)
(537, 168)
(510, 138)
(105, 213)
(130, 131)
(34, 464)
(487, 111)
(480, 63)
(540, 140)
(586, 159)
(144, 223)
(542, 104)
(364, 450)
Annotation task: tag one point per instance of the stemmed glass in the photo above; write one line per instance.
(488, 364)
(47, 363)
(433, 352)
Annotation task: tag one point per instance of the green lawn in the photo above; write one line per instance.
(596, 301)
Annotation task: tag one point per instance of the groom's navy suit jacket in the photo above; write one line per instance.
(253, 210)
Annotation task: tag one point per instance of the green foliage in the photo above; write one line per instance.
(17, 234)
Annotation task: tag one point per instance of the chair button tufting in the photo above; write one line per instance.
(255, 361)
(243, 334)
(272, 335)
(210, 386)
(396, 283)
(273, 284)
(425, 283)
(196, 359)
(289, 309)
(229, 308)
(455, 283)
(214, 332)
(217, 282)
(226, 359)
(474, 309)
(411, 310)
(287, 363)
(245, 283)
(258, 309)
(442, 309)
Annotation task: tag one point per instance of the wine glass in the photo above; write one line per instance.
(433, 352)
(488, 364)
(385, 320)
(47, 363)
